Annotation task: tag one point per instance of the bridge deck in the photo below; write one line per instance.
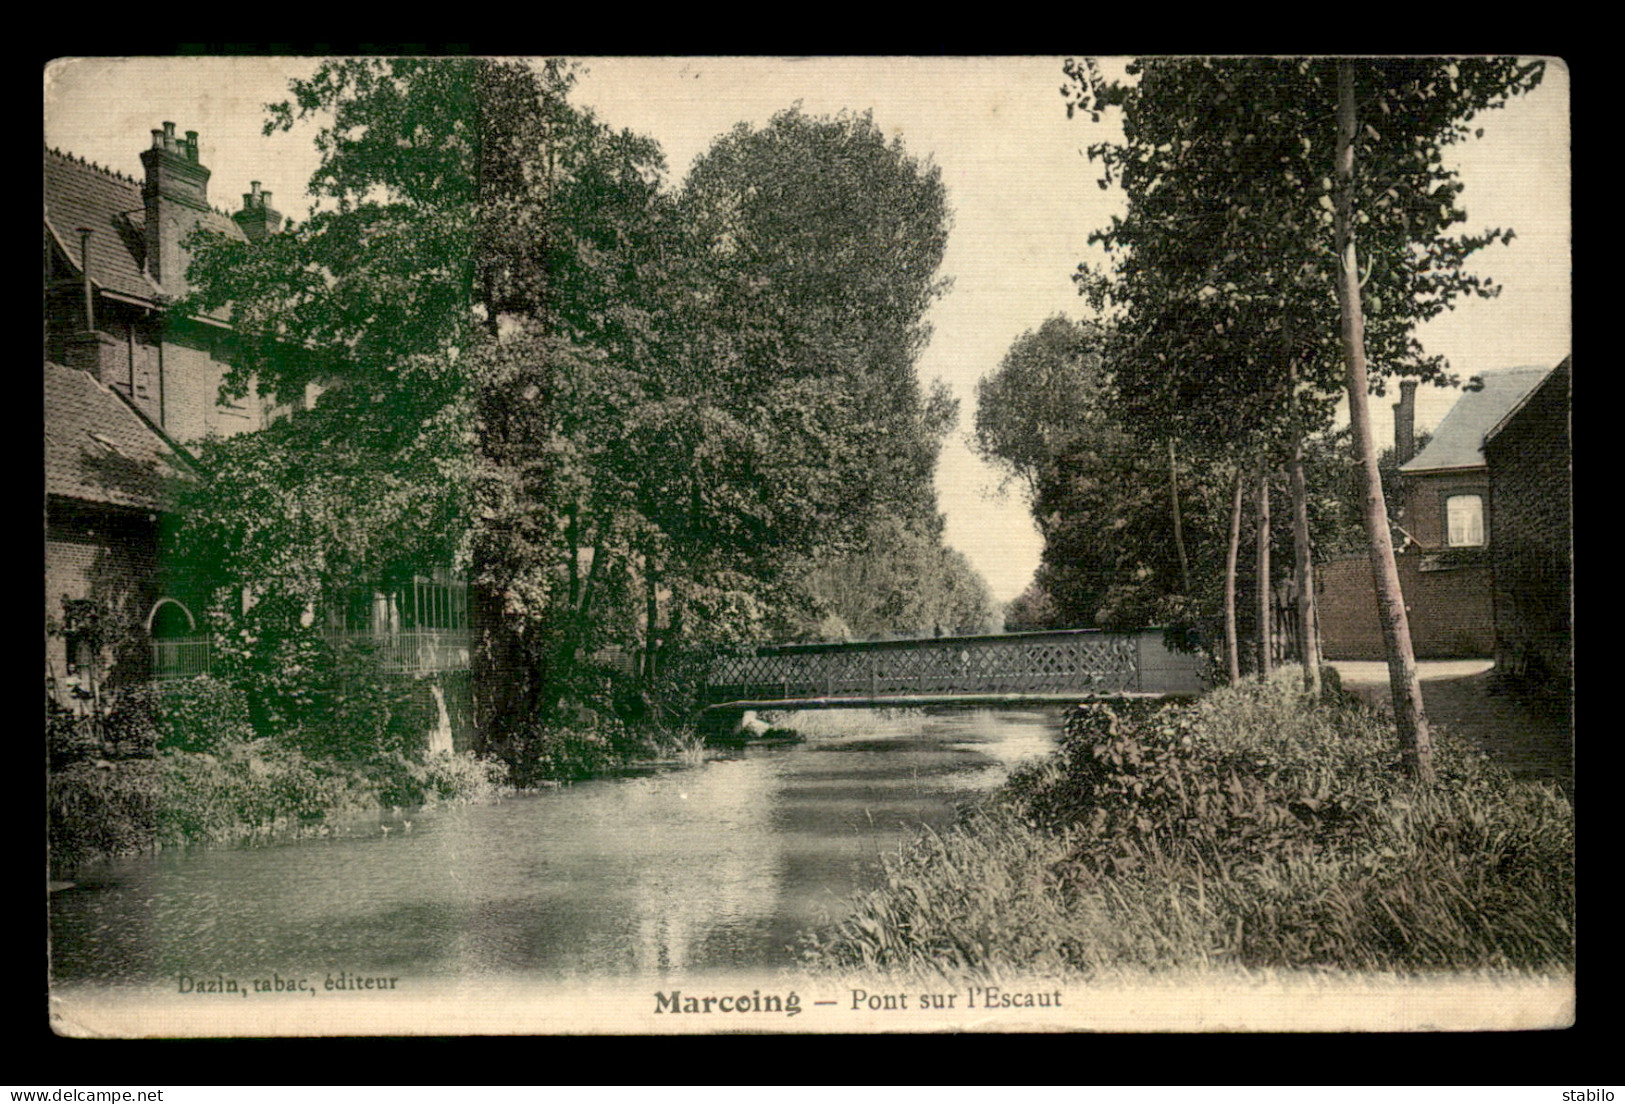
(911, 701)
(1037, 668)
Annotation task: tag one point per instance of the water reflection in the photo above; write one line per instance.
(718, 866)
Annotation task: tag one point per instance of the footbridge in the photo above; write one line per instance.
(1062, 667)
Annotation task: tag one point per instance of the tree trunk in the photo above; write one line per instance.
(1308, 643)
(1232, 648)
(1265, 621)
(1179, 528)
(575, 629)
(499, 675)
(1415, 744)
(652, 614)
(573, 539)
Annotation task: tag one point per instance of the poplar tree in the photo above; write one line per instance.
(1234, 270)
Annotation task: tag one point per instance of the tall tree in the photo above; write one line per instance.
(902, 583)
(651, 409)
(1264, 588)
(1049, 389)
(1229, 262)
(821, 243)
(454, 194)
(1107, 494)
(813, 246)
(1423, 105)
(1232, 644)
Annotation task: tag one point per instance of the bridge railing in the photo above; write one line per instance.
(1083, 661)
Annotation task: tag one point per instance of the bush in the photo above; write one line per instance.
(69, 737)
(196, 714)
(1252, 828)
(213, 783)
(357, 710)
(130, 725)
(250, 789)
(201, 714)
(562, 748)
(404, 780)
(102, 809)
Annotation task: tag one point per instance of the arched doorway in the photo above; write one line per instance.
(179, 649)
(170, 619)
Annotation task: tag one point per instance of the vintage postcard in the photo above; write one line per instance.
(757, 545)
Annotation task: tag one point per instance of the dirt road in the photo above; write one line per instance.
(1460, 696)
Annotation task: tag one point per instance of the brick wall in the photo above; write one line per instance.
(1423, 515)
(1531, 495)
(110, 556)
(173, 377)
(192, 378)
(1450, 610)
(142, 351)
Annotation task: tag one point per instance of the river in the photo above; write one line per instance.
(718, 866)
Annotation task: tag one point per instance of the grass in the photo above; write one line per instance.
(1250, 830)
(239, 791)
(197, 775)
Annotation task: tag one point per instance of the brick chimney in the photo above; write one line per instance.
(1405, 421)
(258, 219)
(176, 193)
(88, 348)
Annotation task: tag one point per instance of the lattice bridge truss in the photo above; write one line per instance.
(1044, 666)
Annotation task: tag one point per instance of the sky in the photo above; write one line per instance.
(1022, 191)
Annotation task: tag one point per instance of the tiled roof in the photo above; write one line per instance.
(1458, 442)
(99, 449)
(1562, 373)
(78, 194)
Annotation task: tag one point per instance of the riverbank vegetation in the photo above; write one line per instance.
(1233, 311)
(1251, 829)
(184, 765)
(612, 420)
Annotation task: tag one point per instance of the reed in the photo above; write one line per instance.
(1250, 830)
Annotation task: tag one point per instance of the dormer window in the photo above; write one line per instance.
(1464, 520)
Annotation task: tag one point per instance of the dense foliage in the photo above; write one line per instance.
(900, 583)
(1287, 218)
(1224, 267)
(238, 791)
(633, 418)
(1252, 830)
(1100, 488)
(1219, 353)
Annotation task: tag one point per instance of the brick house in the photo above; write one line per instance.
(1446, 534)
(106, 470)
(1530, 458)
(114, 261)
(129, 382)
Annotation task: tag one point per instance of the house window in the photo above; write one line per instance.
(1464, 520)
